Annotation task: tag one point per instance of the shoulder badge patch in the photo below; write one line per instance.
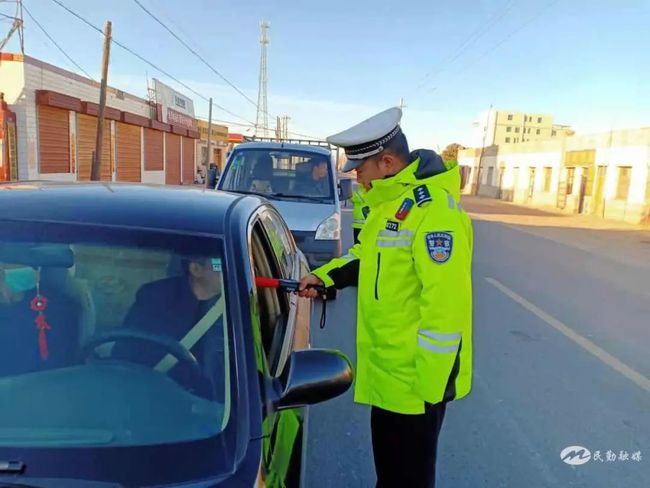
(392, 225)
(404, 209)
(421, 194)
(439, 245)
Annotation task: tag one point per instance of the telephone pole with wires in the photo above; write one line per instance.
(16, 26)
(95, 172)
(262, 118)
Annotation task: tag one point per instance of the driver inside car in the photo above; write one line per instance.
(172, 307)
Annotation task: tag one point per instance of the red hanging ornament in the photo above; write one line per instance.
(42, 326)
(38, 305)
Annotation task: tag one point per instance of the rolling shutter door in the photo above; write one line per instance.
(153, 150)
(54, 139)
(128, 153)
(188, 161)
(86, 135)
(173, 166)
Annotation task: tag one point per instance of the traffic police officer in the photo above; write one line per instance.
(359, 211)
(412, 267)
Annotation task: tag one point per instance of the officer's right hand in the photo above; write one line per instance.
(307, 292)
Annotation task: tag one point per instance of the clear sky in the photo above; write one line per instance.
(332, 63)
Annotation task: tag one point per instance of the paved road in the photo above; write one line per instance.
(562, 339)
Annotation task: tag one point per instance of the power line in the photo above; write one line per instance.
(56, 44)
(503, 40)
(190, 49)
(469, 40)
(144, 60)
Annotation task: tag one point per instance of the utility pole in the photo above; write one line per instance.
(21, 32)
(402, 104)
(208, 157)
(95, 172)
(16, 26)
(480, 158)
(285, 126)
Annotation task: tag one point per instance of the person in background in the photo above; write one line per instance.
(213, 174)
(312, 178)
(359, 210)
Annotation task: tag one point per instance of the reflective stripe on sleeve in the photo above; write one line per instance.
(437, 349)
(455, 336)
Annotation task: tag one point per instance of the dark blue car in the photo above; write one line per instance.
(136, 348)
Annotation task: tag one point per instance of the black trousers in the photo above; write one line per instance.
(405, 446)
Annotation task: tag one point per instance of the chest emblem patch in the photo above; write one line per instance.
(439, 245)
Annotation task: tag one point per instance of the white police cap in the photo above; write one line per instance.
(368, 138)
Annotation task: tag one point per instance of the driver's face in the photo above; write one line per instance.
(202, 272)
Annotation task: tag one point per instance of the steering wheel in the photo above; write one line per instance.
(171, 346)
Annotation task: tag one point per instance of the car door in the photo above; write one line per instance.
(275, 255)
(291, 265)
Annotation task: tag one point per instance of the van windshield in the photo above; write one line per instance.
(285, 175)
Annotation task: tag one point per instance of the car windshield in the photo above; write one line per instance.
(287, 175)
(111, 338)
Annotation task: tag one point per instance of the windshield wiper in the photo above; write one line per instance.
(297, 197)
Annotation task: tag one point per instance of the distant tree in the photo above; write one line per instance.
(451, 152)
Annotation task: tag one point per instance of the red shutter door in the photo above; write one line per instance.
(86, 138)
(188, 161)
(173, 163)
(128, 153)
(153, 150)
(54, 139)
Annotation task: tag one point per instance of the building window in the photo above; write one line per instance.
(570, 176)
(509, 116)
(548, 174)
(623, 186)
(517, 130)
(538, 131)
(507, 140)
(539, 120)
(529, 130)
(516, 139)
(508, 129)
(553, 133)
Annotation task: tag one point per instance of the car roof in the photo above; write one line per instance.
(157, 207)
(275, 146)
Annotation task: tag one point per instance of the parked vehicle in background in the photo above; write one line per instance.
(136, 348)
(300, 180)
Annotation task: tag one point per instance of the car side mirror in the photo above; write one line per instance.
(345, 189)
(312, 376)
